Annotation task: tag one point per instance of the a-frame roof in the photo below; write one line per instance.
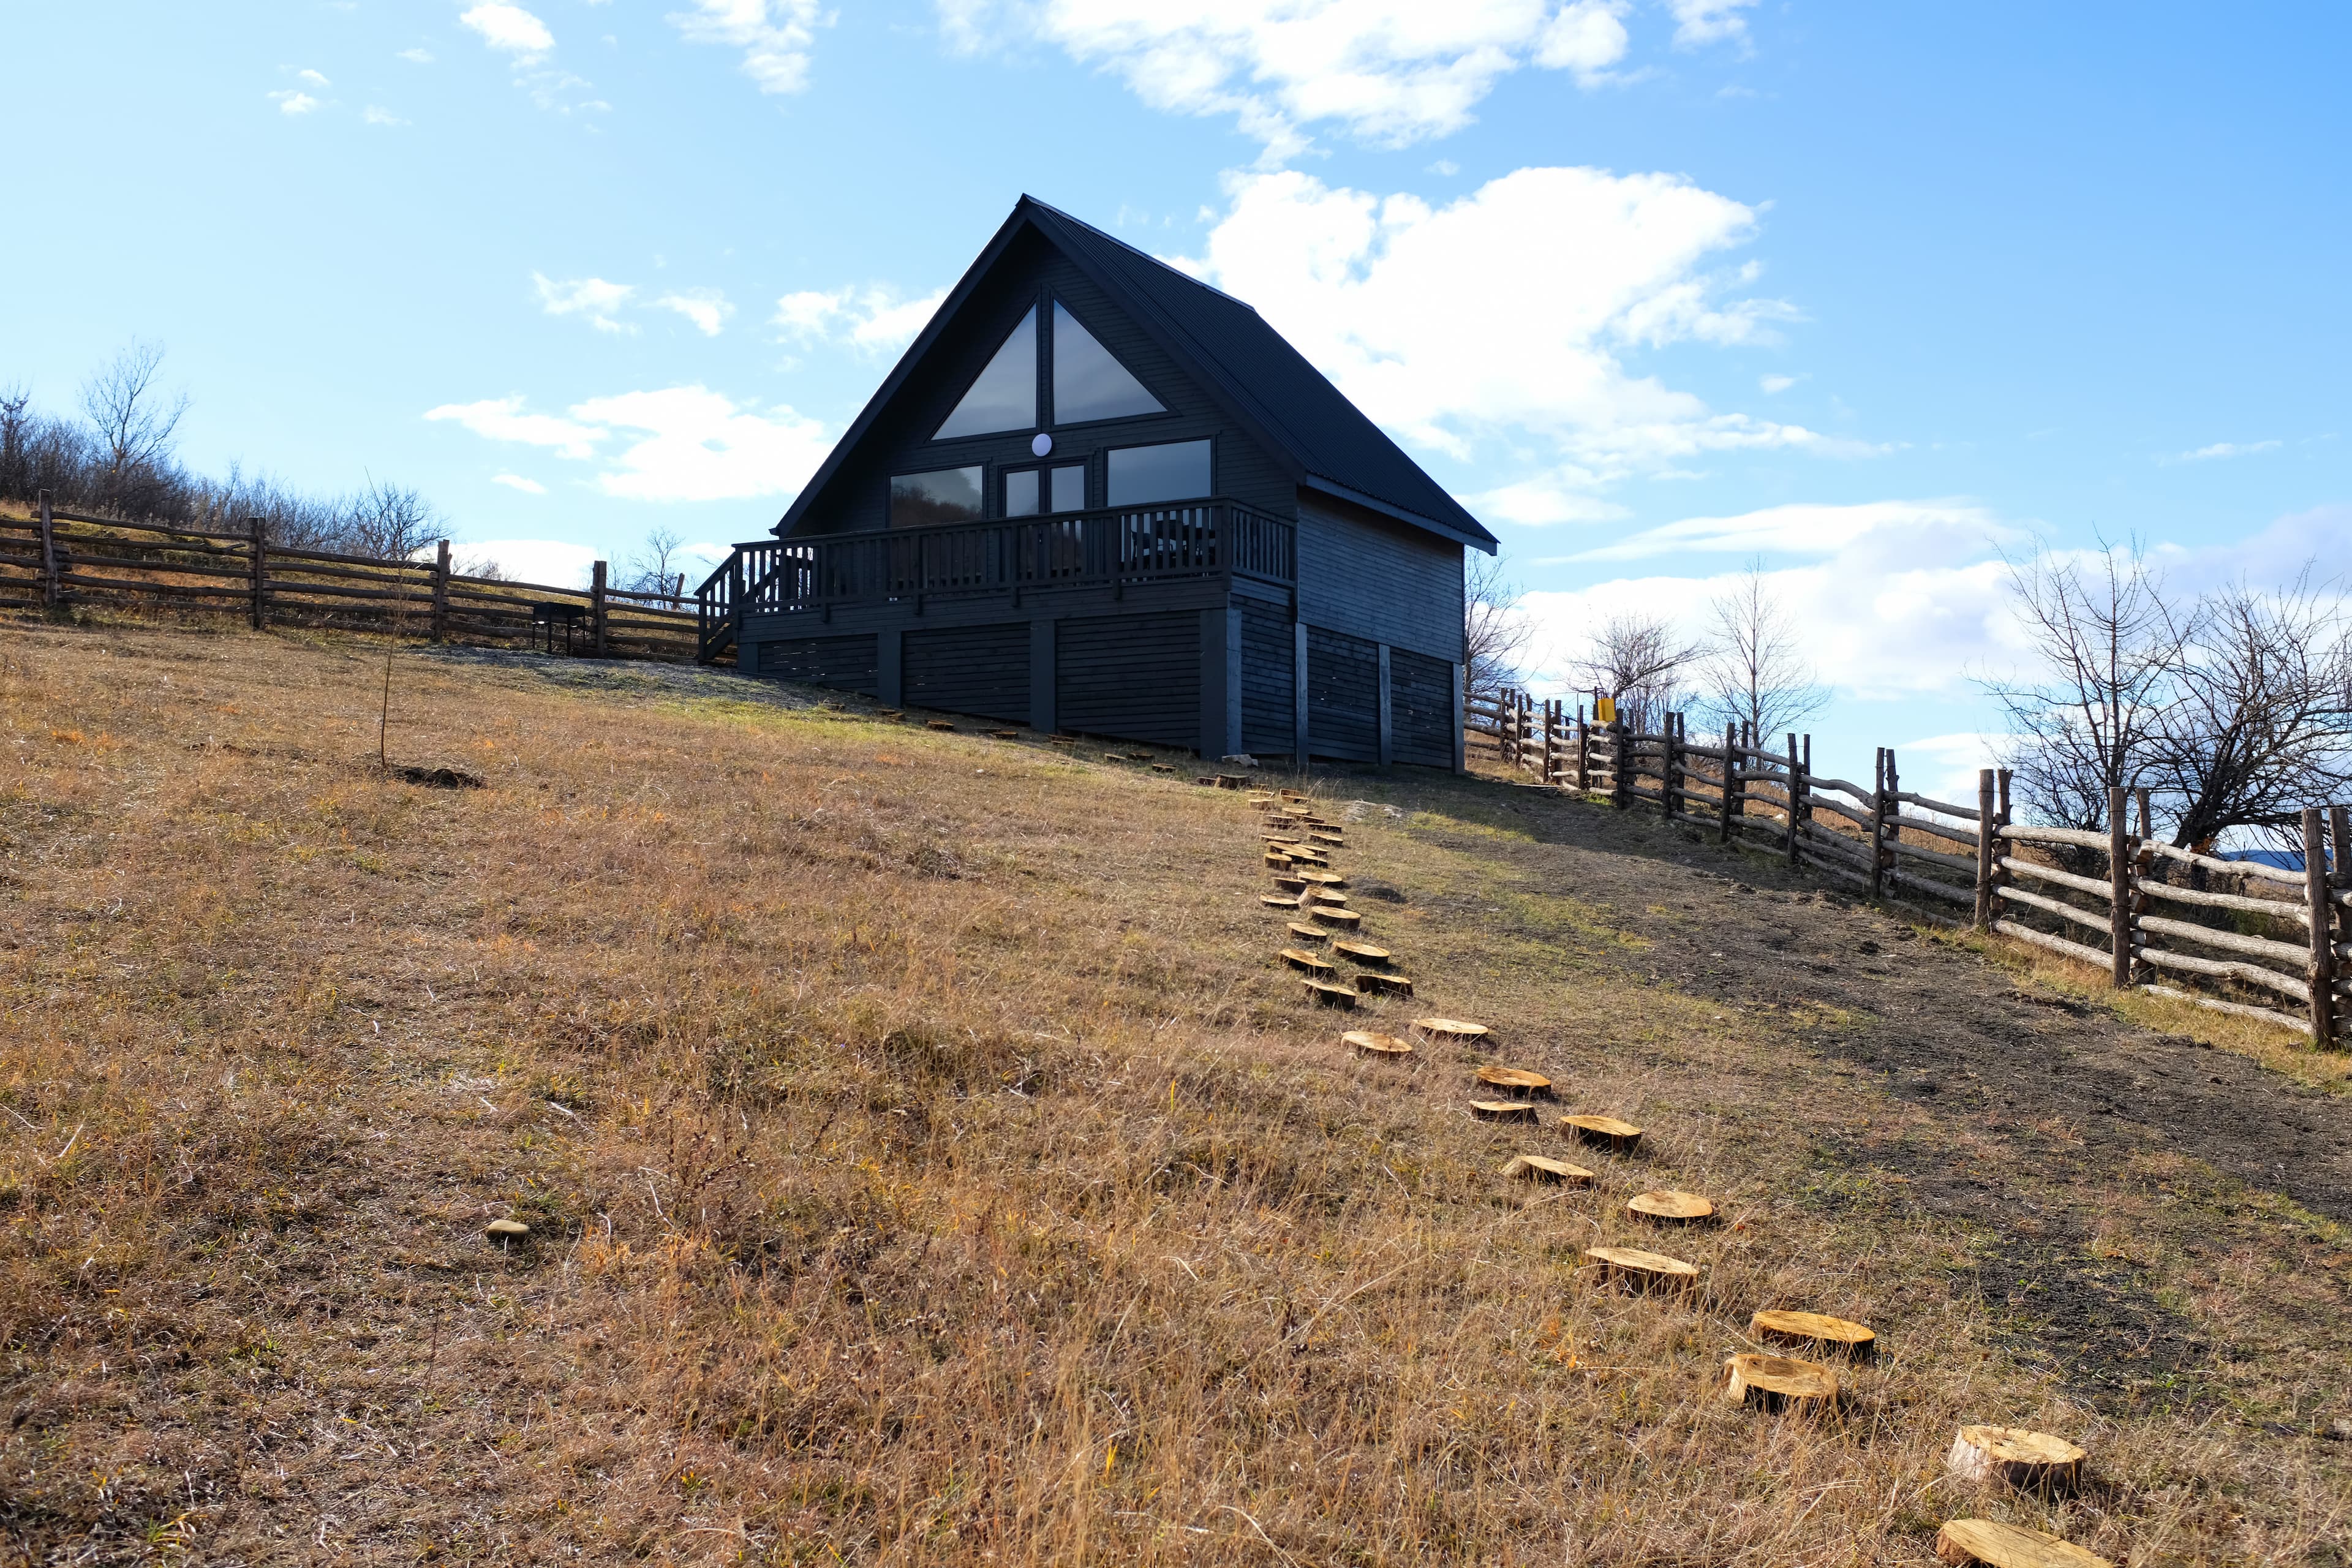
(1265, 386)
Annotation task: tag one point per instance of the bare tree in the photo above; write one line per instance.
(1495, 636)
(132, 418)
(1641, 662)
(15, 433)
(2108, 645)
(651, 567)
(1756, 674)
(389, 521)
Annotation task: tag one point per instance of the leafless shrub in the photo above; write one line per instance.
(134, 421)
(1644, 664)
(653, 568)
(1495, 636)
(1756, 674)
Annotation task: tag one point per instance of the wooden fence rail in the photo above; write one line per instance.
(2245, 935)
(53, 560)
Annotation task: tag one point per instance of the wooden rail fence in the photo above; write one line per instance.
(54, 560)
(2243, 935)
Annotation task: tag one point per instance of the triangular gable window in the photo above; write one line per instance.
(1005, 395)
(1089, 384)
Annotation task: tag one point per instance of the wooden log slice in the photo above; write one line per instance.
(1777, 1381)
(893, 713)
(1812, 1329)
(1606, 1131)
(1543, 1168)
(1232, 780)
(1671, 1207)
(1371, 1044)
(1502, 1110)
(1451, 1029)
(1277, 901)
(1275, 861)
(1324, 895)
(1643, 1270)
(504, 1230)
(1966, 1540)
(1139, 756)
(1004, 734)
(940, 724)
(2033, 1460)
(1347, 918)
(1321, 878)
(1383, 983)
(1300, 853)
(1533, 1084)
(1363, 952)
(1289, 884)
(1305, 932)
(1312, 964)
(1115, 757)
(1323, 993)
(1163, 767)
(1327, 835)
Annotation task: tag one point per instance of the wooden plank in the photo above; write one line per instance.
(2252, 974)
(2227, 941)
(2093, 919)
(1946, 806)
(2277, 909)
(82, 580)
(2091, 885)
(2239, 1009)
(2096, 957)
(2075, 836)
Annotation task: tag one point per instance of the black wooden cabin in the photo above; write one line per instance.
(1098, 496)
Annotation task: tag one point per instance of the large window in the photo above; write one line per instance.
(1089, 384)
(1178, 470)
(943, 495)
(1005, 395)
(1061, 489)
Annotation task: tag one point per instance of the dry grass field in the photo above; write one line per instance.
(926, 1162)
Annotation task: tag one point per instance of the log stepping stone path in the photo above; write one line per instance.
(1671, 1207)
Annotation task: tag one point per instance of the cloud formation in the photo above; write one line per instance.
(517, 482)
(510, 29)
(876, 318)
(676, 444)
(707, 309)
(290, 101)
(592, 298)
(2223, 449)
(775, 36)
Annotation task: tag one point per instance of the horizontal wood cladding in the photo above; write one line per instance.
(1134, 676)
(1269, 676)
(1379, 578)
(1421, 709)
(980, 670)
(1343, 696)
(900, 442)
(848, 663)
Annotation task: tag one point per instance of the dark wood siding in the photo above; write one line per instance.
(1343, 696)
(845, 662)
(1135, 677)
(1379, 578)
(1421, 709)
(981, 671)
(1269, 672)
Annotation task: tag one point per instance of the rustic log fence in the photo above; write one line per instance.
(2153, 917)
(52, 561)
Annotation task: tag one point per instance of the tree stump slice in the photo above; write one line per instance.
(1543, 1168)
(1643, 1270)
(1451, 1029)
(1606, 1131)
(1812, 1329)
(2034, 1461)
(1671, 1207)
(1277, 901)
(1347, 918)
(1312, 964)
(940, 724)
(1163, 767)
(1139, 756)
(1368, 1043)
(893, 713)
(1308, 933)
(1502, 1110)
(1777, 1382)
(1285, 882)
(1533, 1084)
(1275, 860)
(1966, 1540)
(1381, 982)
(1362, 952)
(506, 1230)
(1326, 994)
(1327, 835)
(1004, 734)
(1321, 878)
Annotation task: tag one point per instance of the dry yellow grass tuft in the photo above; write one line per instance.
(925, 1158)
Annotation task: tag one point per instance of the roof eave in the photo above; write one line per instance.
(1476, 537)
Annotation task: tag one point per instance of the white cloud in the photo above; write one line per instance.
(1502, 319)
(775, 36)
(2223, 449)
(681, 443)
(290, 101)
(416, 57)
(313, 78)
(1389, 72)
(1804, 528)
(1701, 22)
(1776, 384)
(376, 114)
(590, 297)
(874, 319)
(510, 29)
(707, 309)
(516, 481)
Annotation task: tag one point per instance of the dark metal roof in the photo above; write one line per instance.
(1263, 382)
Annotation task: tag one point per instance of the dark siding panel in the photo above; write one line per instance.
(981, 671)
(1135, 677)
(1343, 696)
(1421, 709)
(1379, 579)
(845, 662)
(1269, 671)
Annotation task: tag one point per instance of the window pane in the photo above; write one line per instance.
(1177, 471)
(1070, 489)
(943, 495)
(1089, 384)
(1021, 493)
(1005, 395)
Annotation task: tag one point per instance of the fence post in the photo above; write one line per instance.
(1551, 712)
(2119, 921)
(1796, 788)
(1584, 751)
(1730, 781)
(441, 594)
(1879, 770)
(2323, 931)
(1670, 764)
(51, 589)
(257, 560)
(1620, 794)
(1986, 853)
(596, 606)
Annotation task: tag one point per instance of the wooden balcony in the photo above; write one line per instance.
(1114, 547)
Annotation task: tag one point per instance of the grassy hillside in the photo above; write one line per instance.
(925, 1162)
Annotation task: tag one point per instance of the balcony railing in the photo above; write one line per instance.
(1114, 547)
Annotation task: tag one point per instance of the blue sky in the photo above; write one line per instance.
(1871, 290)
